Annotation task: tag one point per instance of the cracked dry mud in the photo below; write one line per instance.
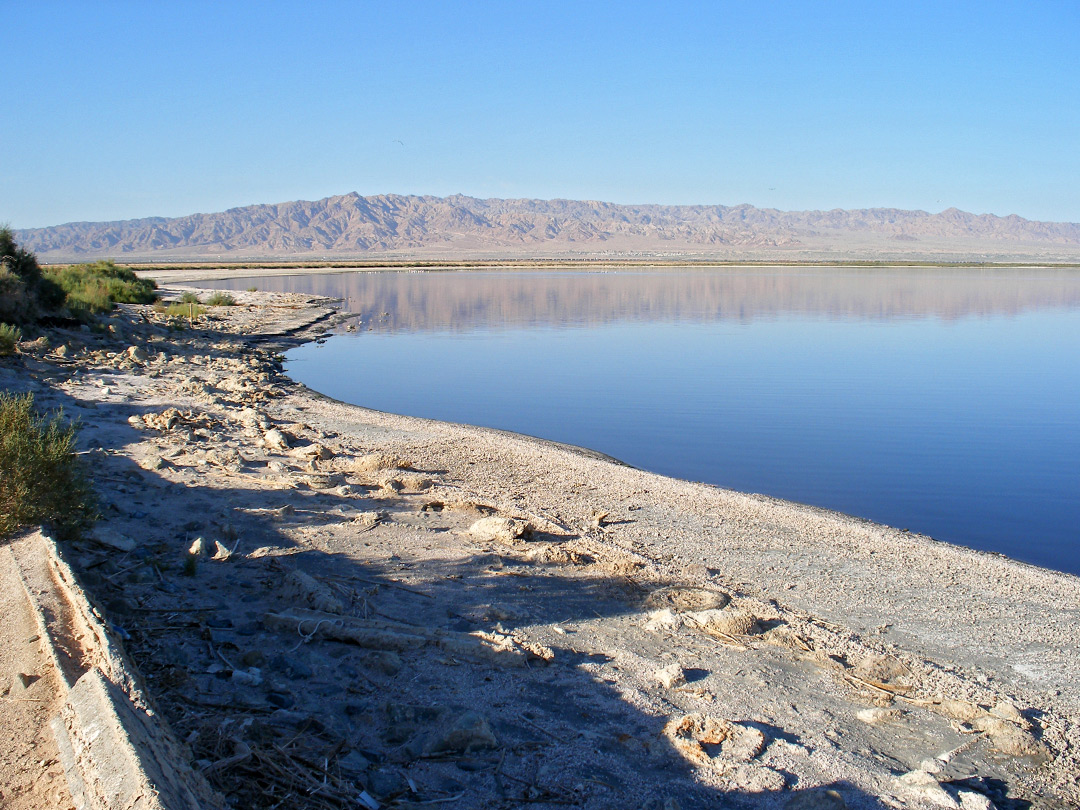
(335, 607)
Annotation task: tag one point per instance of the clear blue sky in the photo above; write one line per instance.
(119, 110)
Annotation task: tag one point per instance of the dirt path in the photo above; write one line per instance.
(337, 607)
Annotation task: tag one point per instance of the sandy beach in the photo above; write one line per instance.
(328, 603)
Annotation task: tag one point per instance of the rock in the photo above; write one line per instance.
(136, 421)
(164, 421)
(671, 676)
(221, 551)
(275, 439)
(885, 672)
(21, 682)
(1009, 738)
(112, 539)
(61, 350)
(373, 462)
(308, 591)
(971, 800)
(663, 620)
(458, 734)
(500, 530)
(250, 417)
(247, 677)
(198, 547)
(153, 462)
(724, 622)
(385, 661)
(816, 800)
(876, 717)
(276, 466)
(387, 783)
(925, 786)
(312, 451)
(138, 355)
(354, 763)
(683, 599)
(737, 743)
(405, 482)
(1008, 711)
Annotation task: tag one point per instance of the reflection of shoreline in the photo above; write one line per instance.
(389, 301)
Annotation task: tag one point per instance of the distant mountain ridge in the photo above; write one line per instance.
(354, 226)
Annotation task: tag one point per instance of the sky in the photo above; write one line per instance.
(120, 110)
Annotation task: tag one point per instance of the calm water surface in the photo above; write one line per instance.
(943, 401)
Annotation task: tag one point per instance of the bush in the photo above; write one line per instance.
(98, 287)
(17, 303)
(23, 288)
(189, 298)
(181, 310)
(42, 481)
(9, 339)
(220, 299)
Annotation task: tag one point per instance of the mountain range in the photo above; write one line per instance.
(351, 226)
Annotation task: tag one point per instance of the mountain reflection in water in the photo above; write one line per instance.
(466, 300)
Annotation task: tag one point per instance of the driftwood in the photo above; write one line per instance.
(380, 634)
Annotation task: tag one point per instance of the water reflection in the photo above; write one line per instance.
(462, 301)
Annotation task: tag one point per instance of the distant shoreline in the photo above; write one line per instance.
(209, 271)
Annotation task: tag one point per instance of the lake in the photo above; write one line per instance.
(944, 401)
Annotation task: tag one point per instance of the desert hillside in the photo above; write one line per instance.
(390, 225)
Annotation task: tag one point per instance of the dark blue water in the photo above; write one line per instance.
(946, 402)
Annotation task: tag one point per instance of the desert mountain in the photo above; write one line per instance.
(391, 225)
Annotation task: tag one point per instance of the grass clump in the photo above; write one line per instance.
(178, 309)
(42, 481)
(220, 299)
(189, 298)
(98, 287)
(9, 339)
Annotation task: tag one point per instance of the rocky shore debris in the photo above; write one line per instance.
(508, 531)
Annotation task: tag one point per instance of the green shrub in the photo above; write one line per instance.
(220, 299)
(9, 339)
(189, 298)
(42, 481)
(252, 289)
(179, 310)
(18, 304)
(24, 291)
(98, 287)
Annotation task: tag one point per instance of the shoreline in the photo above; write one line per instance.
(180, 273)
(854, 656)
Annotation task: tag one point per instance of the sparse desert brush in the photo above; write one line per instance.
(376, 462)
(220, 299)
(9, 339)
(42, 481)
(189, 298)
(252, 289)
